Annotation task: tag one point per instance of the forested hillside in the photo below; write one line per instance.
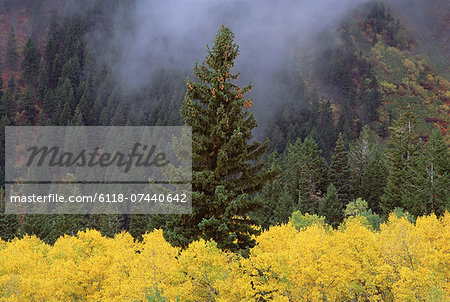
(352, 114)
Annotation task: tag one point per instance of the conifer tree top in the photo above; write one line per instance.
(216, 87)
(222, 55)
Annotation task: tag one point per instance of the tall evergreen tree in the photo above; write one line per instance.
(50, 74)
(55, 72)
(313, 177)
(339, 173)
(306, 173)
(65, 115)
(47, 109)
(105, 117)
(77, 118)
(66, 224)
(8, 104)
(278, 204)
(374, 181)
(403, 146)
(28, 106)
(360, 154)
(42, 82)
(40, 225)
(428, 180)
(331, 207)
(226, 167)
(64, 93)
(30, 63)
(110, 224)
(84, 103)
(72, 70)
(368, 168)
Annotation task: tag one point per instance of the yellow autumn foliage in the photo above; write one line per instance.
(402, 262)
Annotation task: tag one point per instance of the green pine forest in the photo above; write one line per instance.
(360, 126)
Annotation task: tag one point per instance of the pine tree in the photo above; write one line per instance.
(9, 226)
(306, 173)
(110, 224)
(8, 104)
(313, 178)
(72, 70)
(50, 62)
(65, 116)
(226, 168)
(66, 224)
(360, 154)
(105, 117)
(275, 197)
(428, 180)
(331, 207)
(403, 146)
(339, 173)
(374, 181)
(65, 93)
(84, 103)
(30, 63)
(11, 58)
(368, 168)
(42, 79)
(283, 206)
(47, 109)
(77, 119)
(40, 225)
(28, 106)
